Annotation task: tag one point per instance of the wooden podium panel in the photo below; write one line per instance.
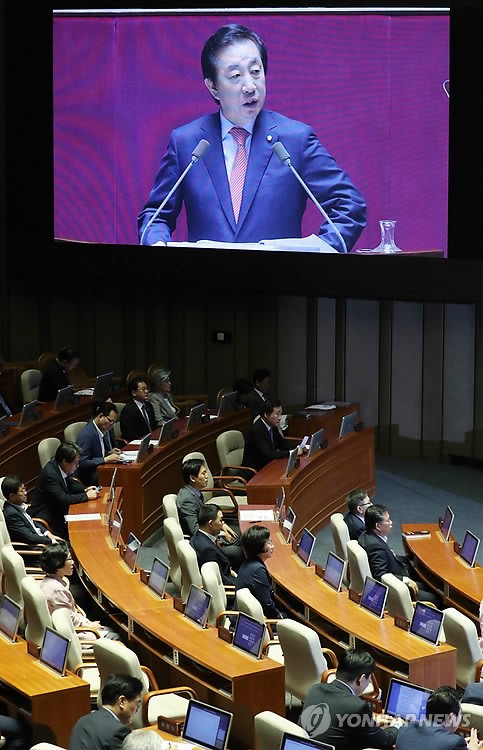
(145, 484)
(442, 569)
(319, 486)
(53, 703)
(308, 421)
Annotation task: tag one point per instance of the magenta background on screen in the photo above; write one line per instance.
(369, 85)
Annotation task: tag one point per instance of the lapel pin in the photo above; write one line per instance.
(269, 138)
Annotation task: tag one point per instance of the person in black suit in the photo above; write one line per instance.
(56, 489)
(96, 443)
(189, 502)
(137, 416)
(263, 441)
(253, 573)
(334, 713)
(473, 694)
(381, 557)
(206, 539)
(14, 734)
(437, 731)
(358, 502)
(259, 392)
(106, 728)
(21, 526)
(56, 373)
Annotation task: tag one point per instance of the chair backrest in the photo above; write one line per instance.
(115, 657)
(212, 583)
(117, 426)
(303, 658)
(398, 597)
(359, 567)
(249, 605)
(30, 384)
(13, 572)
(210, 484)
(72, 431)
(270, 727)
(4, 532)
(2, 496)
(46, 746)
(190, 569)
(230, 446)
(169, 506)
(461, 632)
(62, 622)
(340, 534)
(475, 716)
(36, 611)
(173, 533)
(46, 449)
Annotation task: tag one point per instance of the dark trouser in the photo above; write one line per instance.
(13, 732)
(234, 553)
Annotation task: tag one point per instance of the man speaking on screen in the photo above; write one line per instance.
(253, 169)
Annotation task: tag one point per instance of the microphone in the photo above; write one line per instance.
(279, 149)
(196, 156)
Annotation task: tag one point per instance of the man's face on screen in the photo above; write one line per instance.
(240, 83)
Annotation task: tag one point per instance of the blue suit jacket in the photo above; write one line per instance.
(273, 201)
(91, 457)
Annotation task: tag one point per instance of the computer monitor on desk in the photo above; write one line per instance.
(54, 650)
(28, 414)
(288, 523)
(306, 546)
(158, 577)
(407, 701)
(373, 597)
(316, 441)
(292, 742)
(9, 618)
(249, 635)
(469, 549)
(426, 623)
(64, 398)
(195, 416)
(207, 727)
(102, 386)
(347, 424)
(167, 431)
(229, 403)
(447, 524)
(292, 461)
(334, 571)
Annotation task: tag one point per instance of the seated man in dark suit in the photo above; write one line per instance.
(189, 502)
(263, 441)
(358, 502)
(21, 526)
(95, 441)
(137, 416)
(381, 557)
(205, 541)
(256, 397)
(473, 694)
(56, 373)
(108, 726)
(437, 731)
(346, 720)
(253, 573)
(56, 489)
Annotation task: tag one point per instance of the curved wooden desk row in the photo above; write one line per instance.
(52, 703)
(179, 652)
(439, 566)
(341, 623)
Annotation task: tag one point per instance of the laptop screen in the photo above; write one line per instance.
(55, 648)
(131, 552)
(166, 432)
(292, 742)
(228, 403)
(347, 424)
(373, 597)
(292, 460)
(447, 523)
(249, 635)
(144, 448)
(426, 622)
(207, 726)
(158, 577)
(305, 546)
(64, 397)
(288, 524)
(407, 701)
(9, 617)
(28, 414)
(103, 386)
(315, 441)
(469, 548)
(197, 605)
(334, 571)
(195, 416)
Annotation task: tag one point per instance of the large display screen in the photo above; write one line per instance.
(374, 86)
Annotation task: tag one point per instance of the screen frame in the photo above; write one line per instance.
(29, 413)
(469, 535)
(363, 605)
(64, 398)
(395, 681)
(418, 606)
(283, 528)
(342, 574)
(303, 743)
(99, 384)
(10, 601)
(195, 417)
(116, 518)
(66, 642)
(166, 431)
(208, 597)
(316, 441)
(306, 534)
(165, 566)
(347, 424)
(447, 535)
(242, 617)
(211, 709)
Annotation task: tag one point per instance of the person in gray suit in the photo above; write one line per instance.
(161, 399)
(437, 731)
(106, 728)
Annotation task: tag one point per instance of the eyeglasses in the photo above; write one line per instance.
(111, 421)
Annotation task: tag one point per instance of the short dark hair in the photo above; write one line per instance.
(260, 374)
(207, 512)
(355, 498)
(269, 406)
(54, 557)
(353, 664)
(67, 452)
(10, 485)
(67, 354)
(224, 37)
(374, 515)
(105, 408)
(134, 383)
(191, 468)
(443, 702)
(120, 684)
(253, 540)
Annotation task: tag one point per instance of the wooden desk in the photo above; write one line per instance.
(53, 703)
(320, 485)
(308, 421)
(145, 484)
(342, 624)
(178, 652)
(442, 569)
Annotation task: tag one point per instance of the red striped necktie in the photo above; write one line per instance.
(239, 169)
